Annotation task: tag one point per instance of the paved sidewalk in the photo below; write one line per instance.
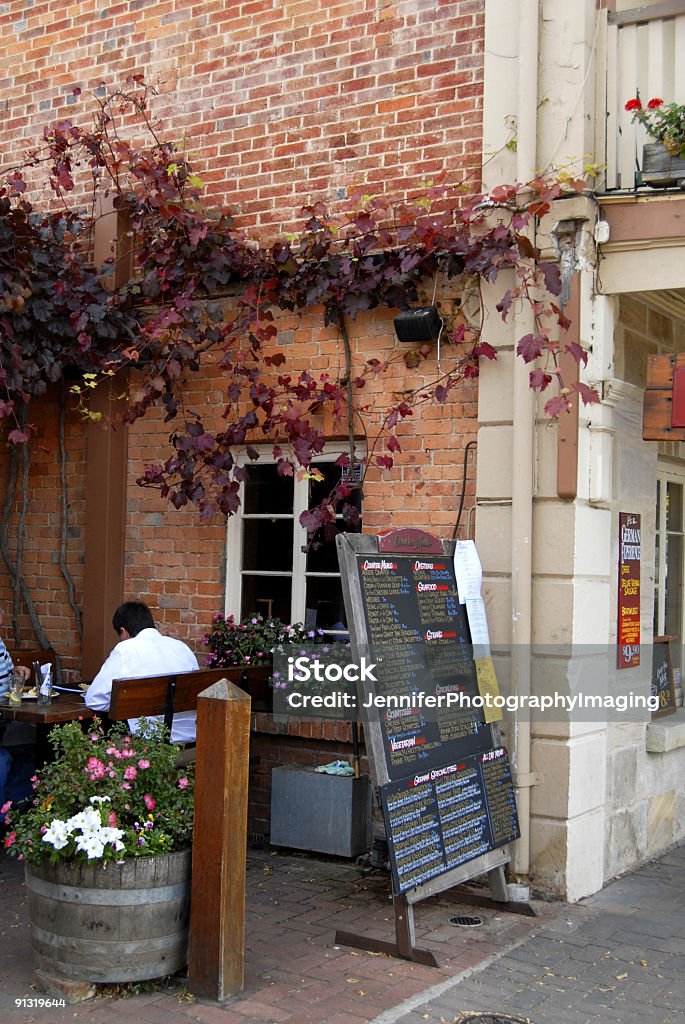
(617, 957)
(570, 965)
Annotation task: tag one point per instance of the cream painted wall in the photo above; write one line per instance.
(600, 802)
(645, 809)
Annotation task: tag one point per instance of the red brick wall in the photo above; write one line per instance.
(45, 522)
(278, 101)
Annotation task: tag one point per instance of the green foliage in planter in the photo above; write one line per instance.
(663, 122)
(105, 797)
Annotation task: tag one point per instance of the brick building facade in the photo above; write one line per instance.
(278, 104)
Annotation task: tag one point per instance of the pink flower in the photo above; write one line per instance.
(150, 802)
(655, 103)
(130, 773)
(112, 819)
(125, 785)
(94, 737)
(95, 768)
(10, 840)
(633, 105)
(143, 764)
(183, 783)
(5, 807)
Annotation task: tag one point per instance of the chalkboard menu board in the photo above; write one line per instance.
(662, 677)
(419, 640)
(441, 818)
(444, 778)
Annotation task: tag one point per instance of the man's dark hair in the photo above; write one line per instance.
(132, 616)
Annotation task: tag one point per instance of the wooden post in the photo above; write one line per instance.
(217, 908)
(106, 470)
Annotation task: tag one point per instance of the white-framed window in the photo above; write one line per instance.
(669, 557)
(267, 569)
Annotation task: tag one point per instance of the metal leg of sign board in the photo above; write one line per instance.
(490, 864)
(498, 899)
(403, 947)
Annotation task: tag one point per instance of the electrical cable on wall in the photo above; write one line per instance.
(471, 444)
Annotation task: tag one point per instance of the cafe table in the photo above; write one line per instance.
(66, 707)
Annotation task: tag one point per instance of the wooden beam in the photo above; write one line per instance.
(105, 527)
(657, 409)
(217, 908)
(641, 15)
(106, 469)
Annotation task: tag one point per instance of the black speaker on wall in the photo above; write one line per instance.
(421, 324)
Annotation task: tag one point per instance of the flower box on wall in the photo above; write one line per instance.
(660, 169)
(318, 812)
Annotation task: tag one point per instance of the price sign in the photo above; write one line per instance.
(662, 677)
(629, 544)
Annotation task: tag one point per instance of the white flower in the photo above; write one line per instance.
(100, 799)
(87, 820)
(58, 835)
(94, 835)
(91, 845)
(111, 835)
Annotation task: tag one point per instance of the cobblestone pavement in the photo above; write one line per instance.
(619, 956)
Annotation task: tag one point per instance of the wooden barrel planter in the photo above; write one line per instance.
(110, 922)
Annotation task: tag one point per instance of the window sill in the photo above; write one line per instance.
(666, 733)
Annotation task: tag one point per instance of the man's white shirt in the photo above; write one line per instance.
(150, 653)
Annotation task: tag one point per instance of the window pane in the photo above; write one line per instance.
(323, 554)
(268, 544)
(674, 507)
(266, 491)
(320, 489)
(674, 585)
(325, 606)
(269, 595)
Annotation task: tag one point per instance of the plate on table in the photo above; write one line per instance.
(32, 694)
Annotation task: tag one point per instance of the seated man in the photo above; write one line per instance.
(143, 651)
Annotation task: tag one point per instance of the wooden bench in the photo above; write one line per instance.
(160, 695)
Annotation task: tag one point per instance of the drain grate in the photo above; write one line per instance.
(468, 1017)
(463, 921)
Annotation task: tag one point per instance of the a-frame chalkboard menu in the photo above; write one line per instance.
(443, 776)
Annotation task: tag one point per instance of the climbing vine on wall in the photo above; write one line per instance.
(59, 317)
